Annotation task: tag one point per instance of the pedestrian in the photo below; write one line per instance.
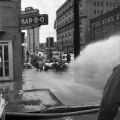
(111, 97)
(41, 64)
(50, 54)
(37, 63)
(68, 57)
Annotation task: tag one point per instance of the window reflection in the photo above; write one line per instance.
(6, 63)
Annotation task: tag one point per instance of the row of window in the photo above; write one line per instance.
(98, 11)
(66, 28)
(103, 34)
(107, 20)
(70, 41)
(65, 34)
(105, 29)
(107, 4)
(65, 43)
(65, 16)
(104, 21)
(64, 22)
(65, 7)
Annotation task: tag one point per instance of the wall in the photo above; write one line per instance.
(9, 24)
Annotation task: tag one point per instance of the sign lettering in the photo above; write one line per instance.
(34, 21)
(43, 19)
(34, 11)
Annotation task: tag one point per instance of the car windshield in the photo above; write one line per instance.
(57, 55)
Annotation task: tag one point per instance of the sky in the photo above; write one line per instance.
(45, 7)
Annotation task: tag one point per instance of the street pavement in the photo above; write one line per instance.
(62, 86)
(63, 91)
(41, 90)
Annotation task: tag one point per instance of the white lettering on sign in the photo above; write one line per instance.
(36, 19)
(35, 11)
(30, 20)
(41, 19)
(26, 21)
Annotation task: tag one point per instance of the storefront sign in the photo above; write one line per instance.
(32, 21)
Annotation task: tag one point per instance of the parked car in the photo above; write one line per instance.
(27, 65)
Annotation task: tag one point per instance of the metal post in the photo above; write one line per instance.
(29, 41)
(33, 40)
(61, 48)
(76, 29)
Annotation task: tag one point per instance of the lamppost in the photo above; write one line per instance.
(76, 29)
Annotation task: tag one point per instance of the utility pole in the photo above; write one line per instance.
(76, 29)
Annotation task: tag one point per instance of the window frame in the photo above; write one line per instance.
(10, 59)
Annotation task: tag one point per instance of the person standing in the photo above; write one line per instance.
(68, 57)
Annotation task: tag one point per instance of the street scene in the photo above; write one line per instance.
(59, 59)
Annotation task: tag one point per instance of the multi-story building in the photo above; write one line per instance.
(64, 25)
(88, 9)
(33, 39)
(92, 9)
(105, 25)
(42, 46)
(49, 42)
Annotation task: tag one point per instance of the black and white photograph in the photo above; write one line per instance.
(59, 59)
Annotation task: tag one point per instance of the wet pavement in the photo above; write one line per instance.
(31, 100)
(41, 90)
(63, 87)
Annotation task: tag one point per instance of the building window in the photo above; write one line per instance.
(101, 11)
(94, 3)
(114, 4)
(94, 11)
(110, 4)
(118, 4)
(98, 11)
(106, 4)
(6, 62)
(97, 3)
(101, 3)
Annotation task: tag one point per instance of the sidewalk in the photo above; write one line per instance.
(30, 99)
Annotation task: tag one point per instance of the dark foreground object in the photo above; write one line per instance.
(83, 113)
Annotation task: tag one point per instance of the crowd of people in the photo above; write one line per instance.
(39, 62)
